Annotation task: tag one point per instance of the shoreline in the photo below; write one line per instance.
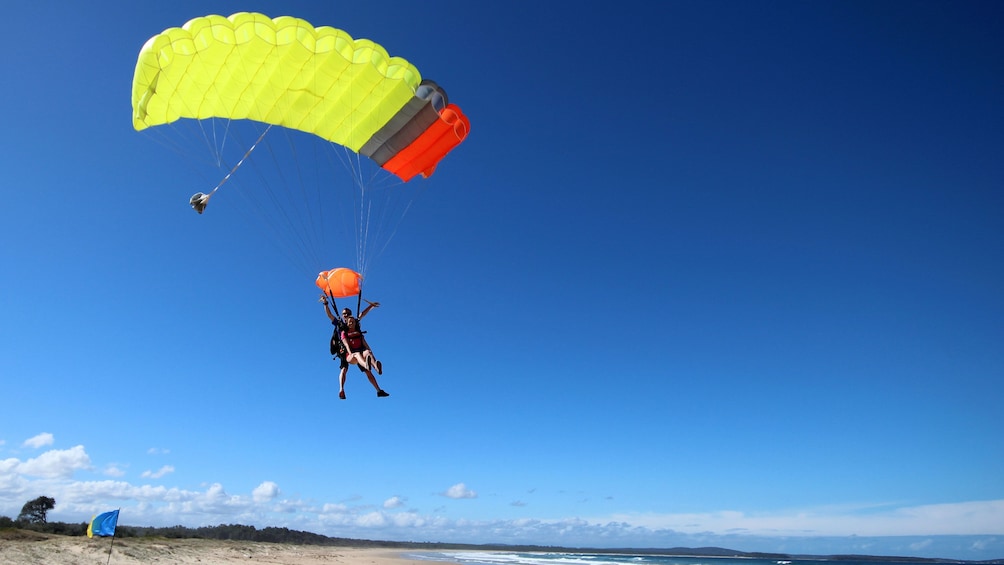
(53, 549)
(26, 547)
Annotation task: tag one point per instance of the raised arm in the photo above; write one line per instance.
(327, 310)
(366, 310)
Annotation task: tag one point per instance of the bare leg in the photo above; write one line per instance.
(373, 381)
(372, 361)
(375, 363)
(341, 382)
(359, 359)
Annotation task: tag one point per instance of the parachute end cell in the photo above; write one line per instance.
(199, 201)
(425, 152)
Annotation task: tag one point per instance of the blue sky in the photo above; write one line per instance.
(715, 273)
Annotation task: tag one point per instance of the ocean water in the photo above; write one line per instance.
(520, 558)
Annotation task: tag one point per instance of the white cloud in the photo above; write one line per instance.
(113, 470)
(394, 502)
(158, 451)
(372, 520)
(41, 440)
(924, 531)
(967, 518)
(265, 492)
(460, 490)
(58, 463)
(980, 544)
(921, 545)
(165, 470)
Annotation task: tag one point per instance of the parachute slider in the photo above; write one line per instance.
(199, 201)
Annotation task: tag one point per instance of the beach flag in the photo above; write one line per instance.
(103, 525)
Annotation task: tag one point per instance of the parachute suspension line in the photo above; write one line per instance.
(379, 203)
(199, 201)
(390, 236)
(287, 216)
(361, 208)
(241, 162)
(365, 213)
(219, 141)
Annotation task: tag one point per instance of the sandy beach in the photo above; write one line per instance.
(42, 549)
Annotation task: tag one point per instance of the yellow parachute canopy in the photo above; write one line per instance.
(280, 71)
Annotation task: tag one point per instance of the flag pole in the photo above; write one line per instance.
(113, 539)
(110, 550)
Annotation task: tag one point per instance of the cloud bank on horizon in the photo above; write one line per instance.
(962, 530)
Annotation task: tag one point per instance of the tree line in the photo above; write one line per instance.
(34, 517)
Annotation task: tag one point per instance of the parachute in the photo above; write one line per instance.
(285, 72)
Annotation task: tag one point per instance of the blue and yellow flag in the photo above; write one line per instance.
(103, 524)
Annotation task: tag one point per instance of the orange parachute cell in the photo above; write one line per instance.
(423, 154)
(339, 283)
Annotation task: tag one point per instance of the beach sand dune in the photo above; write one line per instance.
(30, 548)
